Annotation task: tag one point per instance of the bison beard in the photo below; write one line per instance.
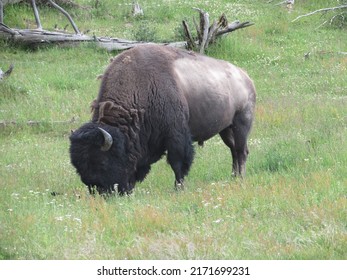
(155, 100)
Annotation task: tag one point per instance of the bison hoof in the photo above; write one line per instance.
(179, 186)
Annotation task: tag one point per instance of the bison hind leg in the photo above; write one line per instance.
(235, 137)
(180, 156)
(227, 136)
(241, 127)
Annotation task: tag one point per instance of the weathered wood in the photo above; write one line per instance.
(190, 41)
(30, 37)
(234, 26)
(36, 14)
(1, 12)
(204, 28)
(320, 11)
(6, 73)
(207, 34)
(36, 36)
(137, 10)
(65, 13)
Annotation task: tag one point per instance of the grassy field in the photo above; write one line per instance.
(291, 205)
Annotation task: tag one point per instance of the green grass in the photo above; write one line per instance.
(292, 203)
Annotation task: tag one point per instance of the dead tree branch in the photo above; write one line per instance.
(36, 14)
(137, 10)
(1, 12)
(320, 11)
(7, 73)
(234, 26)
(203, 30)
(207, 34)
(65, 13)
(190, 41)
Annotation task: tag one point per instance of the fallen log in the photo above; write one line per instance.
(35, 38)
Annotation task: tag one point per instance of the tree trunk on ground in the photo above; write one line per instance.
(33, 38)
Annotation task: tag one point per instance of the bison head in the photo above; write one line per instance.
(98, 153)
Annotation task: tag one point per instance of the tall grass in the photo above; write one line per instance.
(292, 203)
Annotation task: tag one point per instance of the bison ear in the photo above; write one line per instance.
(108, 140)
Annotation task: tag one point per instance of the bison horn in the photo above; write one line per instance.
(108, 141)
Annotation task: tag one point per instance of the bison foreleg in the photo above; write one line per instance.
(179, 185)
(180, 156)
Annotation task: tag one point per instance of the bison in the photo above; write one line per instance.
(155, 100)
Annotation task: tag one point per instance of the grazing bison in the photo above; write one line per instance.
(155, 99)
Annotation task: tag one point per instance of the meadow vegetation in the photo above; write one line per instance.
(292, 203)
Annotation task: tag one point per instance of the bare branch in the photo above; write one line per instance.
(207, 34)
(1, 12)
(190, 41)
(65, 14)
(36, 14)
(7, 73)
(320, 11)
(4, 28)
(234, 26)
(137, 10)
(280, 3)
(288, 2)
(204, 26)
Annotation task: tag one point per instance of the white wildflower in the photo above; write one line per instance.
(78, 220)
(218, 221)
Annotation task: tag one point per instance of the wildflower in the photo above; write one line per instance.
(77, 220)
(206, 204)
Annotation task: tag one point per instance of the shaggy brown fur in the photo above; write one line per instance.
(156, 99)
